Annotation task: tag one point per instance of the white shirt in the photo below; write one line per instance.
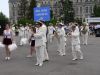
(75, 37)
(7, 33)
(38, 36)
(44, 29)
(50, 29)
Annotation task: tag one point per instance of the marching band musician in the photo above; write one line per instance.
(84, 31)
(50, 32)
(21, 33)
(39, 44)
(61, 35)
(75, 43)
(44, 29)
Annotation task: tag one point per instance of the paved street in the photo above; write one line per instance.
(20, 65)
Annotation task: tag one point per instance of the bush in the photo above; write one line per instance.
(53, 21)
(23, 21)
(79, 20)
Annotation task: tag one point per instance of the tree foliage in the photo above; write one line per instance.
(3, 21)
(78, 20)
(30, 9)
(23, 21)
(67, 11)
(53, 21)
(96, 11)
(3, 17)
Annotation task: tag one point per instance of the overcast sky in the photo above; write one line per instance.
(4, 7)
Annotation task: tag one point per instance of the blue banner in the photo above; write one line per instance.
(42, 13)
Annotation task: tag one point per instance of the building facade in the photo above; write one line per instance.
(15, 10)
(82, 8)
(54, 4)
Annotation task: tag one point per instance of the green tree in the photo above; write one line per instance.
(78, 20)
(51, 14)
(30, 9)
(96, 11)
(23, 8)
(68, 12)
(23, 21)
(3, 21)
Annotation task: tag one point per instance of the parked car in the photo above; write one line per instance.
(97, 30)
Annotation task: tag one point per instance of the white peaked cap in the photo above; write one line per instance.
(85, 23)
(61, 23)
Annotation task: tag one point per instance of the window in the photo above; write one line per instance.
(90, 10)
(77, 1)
(77, 10)
(86, 9)
(81, 0)
(92, 0)
(80, 10)
(86, 0)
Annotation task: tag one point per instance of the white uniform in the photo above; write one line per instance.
(13, 29)
(77, 29)
(76, 45)
(39, 46)
(85, 36)
(61, 35)
(21, 34)
(64, 34)
(44, 29)
(50, 33)
(27, 32)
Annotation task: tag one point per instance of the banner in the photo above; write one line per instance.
(42, 13)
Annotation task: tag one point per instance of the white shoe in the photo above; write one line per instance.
(36, 64)
(9, 58)
(58, 50)
(64, 54)
(81, 57)
(29, 56)
(45, 60)
(40, 65)
(20, 44)
(6, 58)
(61, 55)
(74, 59)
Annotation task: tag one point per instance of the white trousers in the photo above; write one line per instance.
(61, 48)
(75, 49)
(85, 38)
(20, 37)
(50, 38)
(46, 57)
(39, 54)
